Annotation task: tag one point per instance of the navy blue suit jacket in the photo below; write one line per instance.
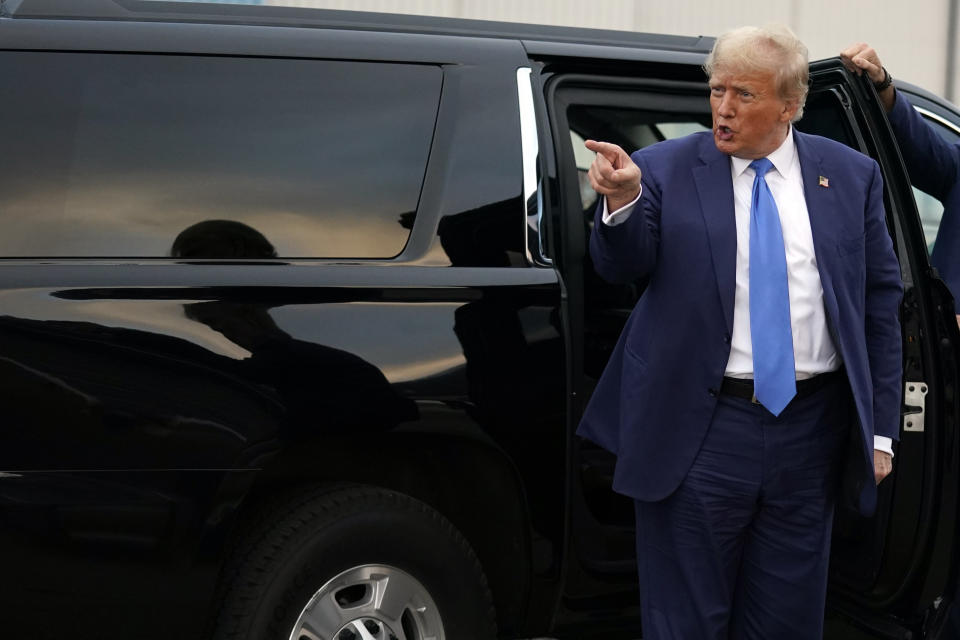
(934, 167)
(655, 400)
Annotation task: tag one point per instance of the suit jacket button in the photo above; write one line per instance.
(712, 392)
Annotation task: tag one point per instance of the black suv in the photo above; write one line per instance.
(297, 321)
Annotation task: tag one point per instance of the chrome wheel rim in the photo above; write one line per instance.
(370, 602)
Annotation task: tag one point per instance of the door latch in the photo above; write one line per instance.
(914, 405)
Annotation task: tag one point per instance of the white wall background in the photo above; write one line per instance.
(911, 37)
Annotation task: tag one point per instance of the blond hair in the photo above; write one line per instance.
(773, 48)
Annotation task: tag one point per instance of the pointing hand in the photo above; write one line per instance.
(613, 174)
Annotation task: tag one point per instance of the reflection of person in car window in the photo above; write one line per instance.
(933, 164)
(221, 239)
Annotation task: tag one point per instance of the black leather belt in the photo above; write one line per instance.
(743, 387)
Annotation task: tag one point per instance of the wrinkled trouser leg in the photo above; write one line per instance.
(741, 549)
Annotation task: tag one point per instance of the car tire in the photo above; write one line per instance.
(331, 560)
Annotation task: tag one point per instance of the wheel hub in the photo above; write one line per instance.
(366, 629)
(370, 602)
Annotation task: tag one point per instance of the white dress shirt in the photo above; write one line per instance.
(813, 349)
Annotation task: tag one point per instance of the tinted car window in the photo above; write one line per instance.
(633, 128)
(149, 156)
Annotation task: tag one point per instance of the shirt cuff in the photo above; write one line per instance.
(883, 443)
(620, 215)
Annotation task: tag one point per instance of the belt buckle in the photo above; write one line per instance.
(754, 399)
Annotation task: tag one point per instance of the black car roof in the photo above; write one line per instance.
(278, 16)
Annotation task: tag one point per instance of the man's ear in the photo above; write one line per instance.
(790, 107)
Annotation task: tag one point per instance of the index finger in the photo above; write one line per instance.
(609, 150)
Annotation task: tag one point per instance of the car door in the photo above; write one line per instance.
(922, 538)
(154, 351)
(887, 571)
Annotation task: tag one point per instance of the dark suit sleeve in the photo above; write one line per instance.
(932, 163)
(628, 251)
(934, 167)
(883, 293)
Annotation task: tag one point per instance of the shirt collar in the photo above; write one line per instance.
(783, 159)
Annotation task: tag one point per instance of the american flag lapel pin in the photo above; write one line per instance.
(824, 182)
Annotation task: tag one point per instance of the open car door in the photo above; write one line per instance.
(892, 575)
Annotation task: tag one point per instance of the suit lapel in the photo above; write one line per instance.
(823, 210)
(715, 189)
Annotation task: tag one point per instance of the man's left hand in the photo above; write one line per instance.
(882, 465)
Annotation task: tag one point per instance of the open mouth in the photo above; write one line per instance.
(724, 133)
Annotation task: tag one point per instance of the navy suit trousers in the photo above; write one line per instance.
(741, 549)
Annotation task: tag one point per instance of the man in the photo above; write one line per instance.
(934, 165)
(769, 329)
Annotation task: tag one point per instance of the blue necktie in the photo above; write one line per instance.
(774, 378)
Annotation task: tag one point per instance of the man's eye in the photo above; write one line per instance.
(717, 91)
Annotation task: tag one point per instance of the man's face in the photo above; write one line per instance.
(750, 119)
